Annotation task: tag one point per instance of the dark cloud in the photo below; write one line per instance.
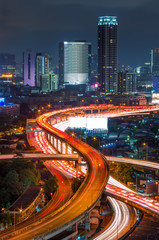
(40, 24)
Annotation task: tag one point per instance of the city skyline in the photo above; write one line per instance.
(40, 25)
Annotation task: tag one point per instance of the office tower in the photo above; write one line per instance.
(7, 64)
(29, 68)
(74, 62)
(107, 54)
(155, 68)
(43, 65)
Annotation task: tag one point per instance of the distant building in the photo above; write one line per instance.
(156, 84)
(9, 110)
(29, 68)
(43, 65)
(122, 82)
(155, 61)
(74, 63)
(7, 64)
(94, 69)
(107, 54)
(138, 100)
(49, 82)
(152, 188)
(130, 82)
(126, 82)
(144, 77)
(128, 100)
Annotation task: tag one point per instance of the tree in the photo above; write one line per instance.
(12, 184)
(29, 177)
(124, 173)
(50, 187)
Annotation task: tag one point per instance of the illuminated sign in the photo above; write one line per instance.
(2, 101)
(7, 75)
(89, 123)
(96, 85)
(155, 98)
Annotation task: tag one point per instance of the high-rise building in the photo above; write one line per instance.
(126, 82)
(131, 82)
(122, 82)
(155, 68)
(49, 82)
(29, 68)
(7, 64)
(107, 54)
(43, 65)
(74, 62)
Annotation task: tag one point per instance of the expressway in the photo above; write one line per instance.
(89, 192)
(123, 216)
(124, 193)
(81, 203)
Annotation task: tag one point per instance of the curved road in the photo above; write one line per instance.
(81, 202)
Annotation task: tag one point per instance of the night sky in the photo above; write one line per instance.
(41, 24)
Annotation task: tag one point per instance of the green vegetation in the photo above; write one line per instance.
(50, 187)
(14, 178)
(123, 172)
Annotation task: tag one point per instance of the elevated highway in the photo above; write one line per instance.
(93, 186)
(84, 199)
(75, 157)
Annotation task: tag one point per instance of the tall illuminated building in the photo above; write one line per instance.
(74, 62)
(155, 68)
(29, 68)
(107, 54)
(43, 65)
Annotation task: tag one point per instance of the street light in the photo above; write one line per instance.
(146, 145)
(94, 139)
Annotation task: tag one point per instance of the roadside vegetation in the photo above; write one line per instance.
(15, 177)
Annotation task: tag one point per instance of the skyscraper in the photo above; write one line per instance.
(29, 68)
(107, 54)
(43, 65)
(155, 68)
(74, 62)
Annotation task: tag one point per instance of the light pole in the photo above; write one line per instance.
(95, 139)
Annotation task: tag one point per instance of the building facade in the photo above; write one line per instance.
(7, 64)
(49, 82)
(74, 62)
(155, 61)
(126, 82)
(107, 54)
(43, 65)
(29, 68)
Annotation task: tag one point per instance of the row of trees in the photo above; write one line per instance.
(14, 178)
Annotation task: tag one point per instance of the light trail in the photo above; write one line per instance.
(122, 216)
(122, 220)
